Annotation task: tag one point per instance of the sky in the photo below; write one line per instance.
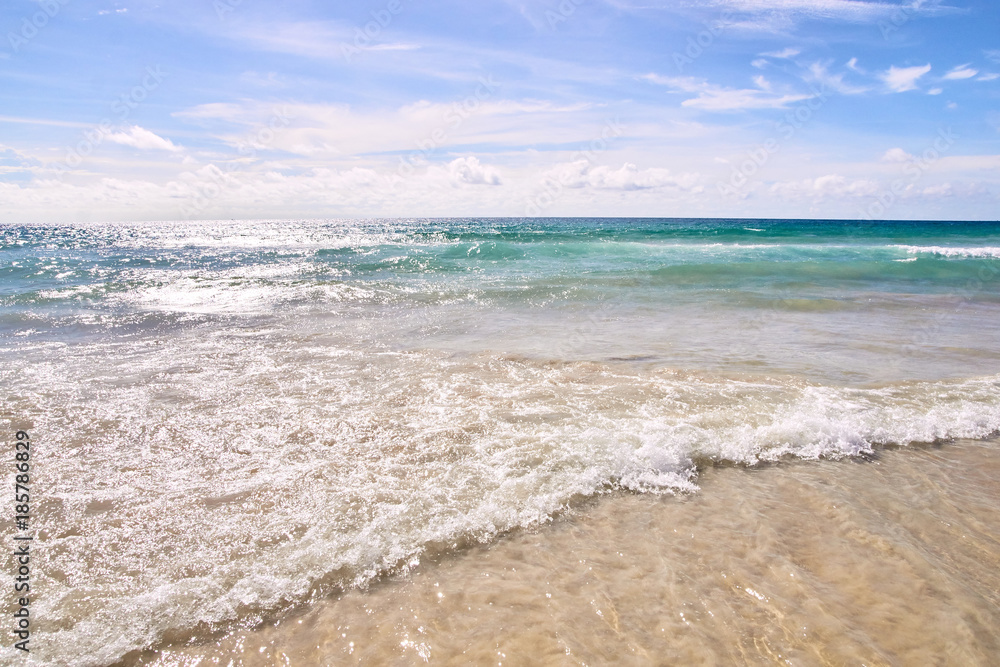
(237, 109)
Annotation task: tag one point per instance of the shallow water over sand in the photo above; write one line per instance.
(888, 561)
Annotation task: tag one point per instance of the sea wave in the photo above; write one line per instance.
(182, 494)
(948, 251)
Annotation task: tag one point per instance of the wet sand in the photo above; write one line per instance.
(890, 561)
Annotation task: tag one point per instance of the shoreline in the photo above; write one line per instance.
(878, 561)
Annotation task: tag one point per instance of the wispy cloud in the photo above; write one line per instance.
(961, 72)
(820, 75)
(902, 79)
(322, 40)
(582, 174)
(140, 137)
(711, 97)
(841, 9)
(783, 15)
(23, 120)
(428, 130)
(788, 52)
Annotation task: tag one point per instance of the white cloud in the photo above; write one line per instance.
(780, 16)
(852, 64)
(711, 97)
(784, 53)
(393, 46)
(846, 10)
(942, 190)
(44, 121)
(967, 163)
(992, 76)
(830, 185)
(229, 112)
(896, 155)
(725, 99)
(935, 91)
(139, 137)
(901, 79)
(469, 170)
(271, 190)
(326, 40)
(421, 130)
(581, 174)
(961, 72)
(262, 79)
(818, 74)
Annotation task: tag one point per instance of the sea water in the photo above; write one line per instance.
(232, 418)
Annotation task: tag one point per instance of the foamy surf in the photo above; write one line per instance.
(231, 493)
(948, 251)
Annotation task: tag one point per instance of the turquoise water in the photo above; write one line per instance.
(311, 404)
(877, 301)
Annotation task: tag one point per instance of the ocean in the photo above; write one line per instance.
(239, 424)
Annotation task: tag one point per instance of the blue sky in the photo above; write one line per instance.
(207, 109)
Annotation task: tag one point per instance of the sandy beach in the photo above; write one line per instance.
(887, 561)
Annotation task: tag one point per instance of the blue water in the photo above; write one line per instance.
(655, 289)
(51, 265)
(310, 404)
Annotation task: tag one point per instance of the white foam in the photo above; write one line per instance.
(948, 251)
(236, 487)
